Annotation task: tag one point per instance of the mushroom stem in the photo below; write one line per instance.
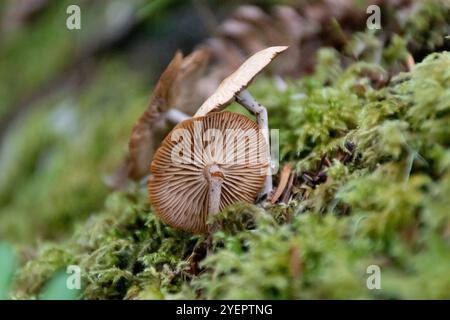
(215, 179)
(176, 116)
(247, 101)
(214, 195)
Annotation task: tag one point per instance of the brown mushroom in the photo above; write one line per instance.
(205, 164)
(233, 88)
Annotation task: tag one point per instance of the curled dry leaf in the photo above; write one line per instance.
(142, 141)
(284, 179)
(173, 90)
(185, 92)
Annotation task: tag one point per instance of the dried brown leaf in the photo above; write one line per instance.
(284, 179)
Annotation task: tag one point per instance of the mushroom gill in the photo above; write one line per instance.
(223, 148)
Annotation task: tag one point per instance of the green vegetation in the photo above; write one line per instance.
(386, 205)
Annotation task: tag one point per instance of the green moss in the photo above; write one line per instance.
(123, 248)
(386, 205)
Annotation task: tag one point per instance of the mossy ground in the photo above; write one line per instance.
(384, 199)
(387, 205)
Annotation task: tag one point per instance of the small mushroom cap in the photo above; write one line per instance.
(238, 80)
(179, 190)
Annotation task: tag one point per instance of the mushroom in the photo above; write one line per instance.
(205, 164)
(233, 89)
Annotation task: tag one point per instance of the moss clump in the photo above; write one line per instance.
(119, 249)
(383, 200)
(394, 191)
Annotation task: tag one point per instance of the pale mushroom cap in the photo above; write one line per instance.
(238, 80)
(179, 191)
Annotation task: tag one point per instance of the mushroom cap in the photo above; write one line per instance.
(179, 188)
(238, 80)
